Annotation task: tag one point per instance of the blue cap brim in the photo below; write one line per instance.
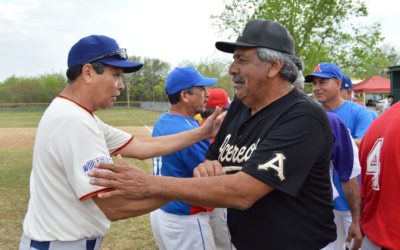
(309, 78)
(126, 66)
(206, 81)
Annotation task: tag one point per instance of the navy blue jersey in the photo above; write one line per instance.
(342, 149)
(357, 119)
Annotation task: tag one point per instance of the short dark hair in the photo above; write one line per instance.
(74, 72)
(174, 98)
(371, 103)
(390, 96)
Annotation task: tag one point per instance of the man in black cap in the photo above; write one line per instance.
(274, 146)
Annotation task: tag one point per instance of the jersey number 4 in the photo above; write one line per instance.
(373, 163)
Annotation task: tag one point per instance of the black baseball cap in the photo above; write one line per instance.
(261, 33)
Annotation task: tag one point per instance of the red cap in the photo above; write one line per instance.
(217, 97)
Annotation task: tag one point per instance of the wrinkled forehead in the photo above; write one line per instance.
(244, 51)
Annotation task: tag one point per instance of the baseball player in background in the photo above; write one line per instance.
(64, 211)
(346, 90)
(380, 178)
(218, 97)
(274, 144)
(345, 168)
(180, 225)
(327, 80)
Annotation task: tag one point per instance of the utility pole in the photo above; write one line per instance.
(128, 84)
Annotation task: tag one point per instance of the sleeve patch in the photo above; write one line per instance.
(276, 164)
(89, 165)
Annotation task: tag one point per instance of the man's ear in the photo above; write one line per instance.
(184, 95)
(275, 68)
(87, 72)
(339, 83)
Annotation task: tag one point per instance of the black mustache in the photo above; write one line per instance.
(238, 79)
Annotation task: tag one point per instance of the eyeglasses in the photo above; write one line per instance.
(119, 52)
(190, 90)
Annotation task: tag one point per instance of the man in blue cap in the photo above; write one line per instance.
(64, 211)
(180, 225)
(346, 90)
(327, 80)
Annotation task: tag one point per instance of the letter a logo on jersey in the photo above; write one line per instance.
(276, 164)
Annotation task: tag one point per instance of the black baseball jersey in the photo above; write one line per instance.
(286, 145)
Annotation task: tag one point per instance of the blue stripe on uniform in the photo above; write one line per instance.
(90, 244)
(201, 233)
(40, 245)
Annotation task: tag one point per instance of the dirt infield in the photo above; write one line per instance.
(23, 138)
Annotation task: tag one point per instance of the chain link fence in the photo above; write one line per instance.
(152, 106)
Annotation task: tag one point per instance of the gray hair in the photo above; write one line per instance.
(289, 69)
(300, 79)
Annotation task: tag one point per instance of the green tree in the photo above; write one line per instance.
(6, 93)
(52, 84)
(319, 30)
(144, 85)
(366, 57)
(218, 69)
(22, 90)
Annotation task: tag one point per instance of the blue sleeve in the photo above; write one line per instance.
(342, 150)
(374, 114)
(195, 154)
(364, 119)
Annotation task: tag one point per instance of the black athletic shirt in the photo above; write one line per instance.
(286, 145)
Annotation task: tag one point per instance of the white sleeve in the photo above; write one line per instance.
(82, 144)
(115, 138)
(356, 171)
(335, 193)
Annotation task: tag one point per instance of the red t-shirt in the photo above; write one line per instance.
(380, 180)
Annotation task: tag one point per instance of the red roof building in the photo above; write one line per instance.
(375, 84)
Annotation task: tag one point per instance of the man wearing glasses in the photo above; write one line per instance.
(180, 225)
(64, 211)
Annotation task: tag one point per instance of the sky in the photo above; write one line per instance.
(36, 35)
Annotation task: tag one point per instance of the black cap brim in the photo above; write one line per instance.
(230, 47)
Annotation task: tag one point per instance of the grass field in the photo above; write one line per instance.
(17, 131)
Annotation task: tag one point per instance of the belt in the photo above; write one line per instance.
(45, 245)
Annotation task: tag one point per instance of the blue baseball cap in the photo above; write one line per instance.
(346, 83)
(182, 78)
(325, 70)
(102, 49)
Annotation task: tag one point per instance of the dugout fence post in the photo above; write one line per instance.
(394, 72)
